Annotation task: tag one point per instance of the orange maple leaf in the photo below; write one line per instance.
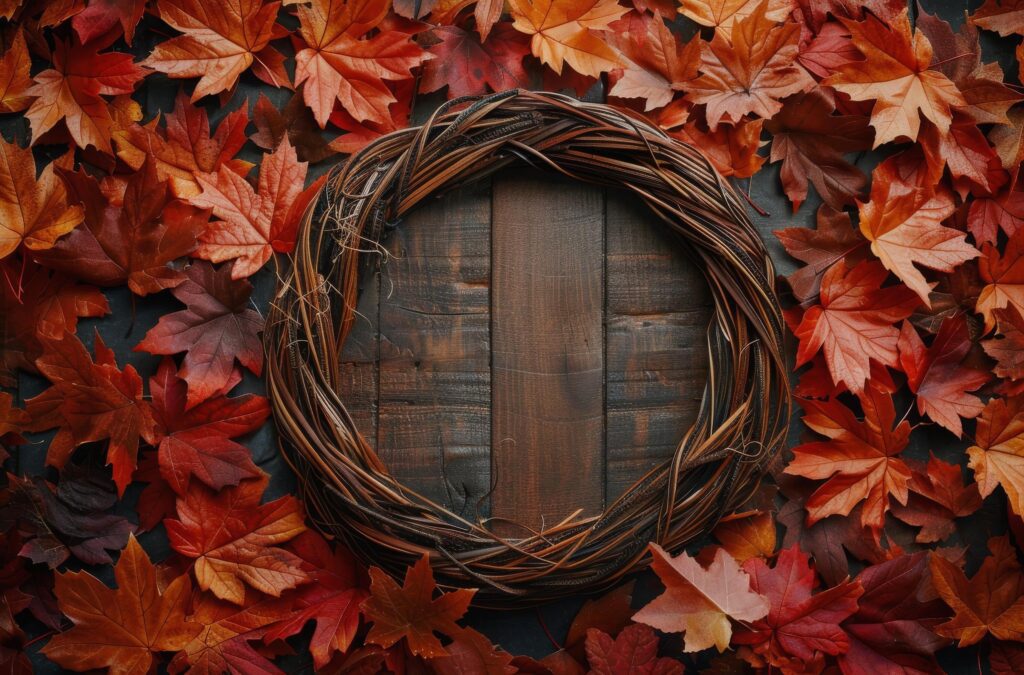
(749, 71)
(997, 457)
(1003, 274)
(340, 64)
(896, 74)
(990, 602)
(904, 226)
(859, 462)
(700, 602)
(412, 612)
(564, 32)
(72, 89)
(233, 538)
(724, 13)
(14, 76)
(121, 628)
(220, 42)
(32, 210)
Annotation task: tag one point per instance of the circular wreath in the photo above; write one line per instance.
(744, 414)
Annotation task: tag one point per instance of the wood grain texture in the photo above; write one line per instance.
(359, 367)
(657, 312)
(548, 350)
(434, 424)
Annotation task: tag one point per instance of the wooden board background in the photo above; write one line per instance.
(527, 347)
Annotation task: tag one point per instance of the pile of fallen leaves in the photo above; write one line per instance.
(908, 314)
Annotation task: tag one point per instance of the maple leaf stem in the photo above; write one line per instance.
(16, 291)
(547, 632)
(953, 58)
(754, 205)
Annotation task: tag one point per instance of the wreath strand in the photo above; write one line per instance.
(744, 414)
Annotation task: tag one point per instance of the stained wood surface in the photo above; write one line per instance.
(527, 348)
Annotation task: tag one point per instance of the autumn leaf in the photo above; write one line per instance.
(184, 147)
(254, 223)
(216, 329)
(121, 628)
(468, 67)
(471, 652)
(91, 401)
(33, 211)
(1003, 211)
(747, 535)
(224, 636)
(1003, 273)
(331, 599)
(412, 612)
(936, 376)
(341, 64)
(827, 50)
(859, 461)
(49, 305)
(997, 457)
(609, 613)
(904, 228)
(72, 91)
(853, 325)
(800, 628)
(810, 142)
(750, 71)
(566, 31)
(974, 165)
(102, 15)
(896, 74)
(234, 539)
(485, 12)
(700, 602)
(634, 651)
(892, 630)
(937, 497)
(724, 13)
(1008, 348)
(833, 240)
(732, 149)
(197, 442)
(1005, 17)
(72, 518)
(656, 65)
(220, 42)
(990, 602)
(14, 76)
(133, 239)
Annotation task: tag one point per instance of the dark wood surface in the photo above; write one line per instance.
(527, 348)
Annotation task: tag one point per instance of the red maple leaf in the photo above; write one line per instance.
(893, 627)
(411, 611)
(72, 91)
(91, 401)
(860, 460)
(801, 627)
(854, 324)
(132, 238)
(938, 496)
(234, 539)
(634, 651)
(197, 442)
(215, 330)
(936, 376)
(468, 67)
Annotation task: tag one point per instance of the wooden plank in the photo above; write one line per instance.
(434, 427)
(658, 307)
(359, 372)
(548, 350)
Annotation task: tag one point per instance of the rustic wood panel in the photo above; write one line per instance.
(434, 425)
(657, 311)
(548, 350)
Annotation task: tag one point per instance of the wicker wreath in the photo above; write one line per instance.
(744, 414)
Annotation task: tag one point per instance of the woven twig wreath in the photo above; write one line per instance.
(743, 417)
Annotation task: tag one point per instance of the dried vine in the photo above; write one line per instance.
(743, 417)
